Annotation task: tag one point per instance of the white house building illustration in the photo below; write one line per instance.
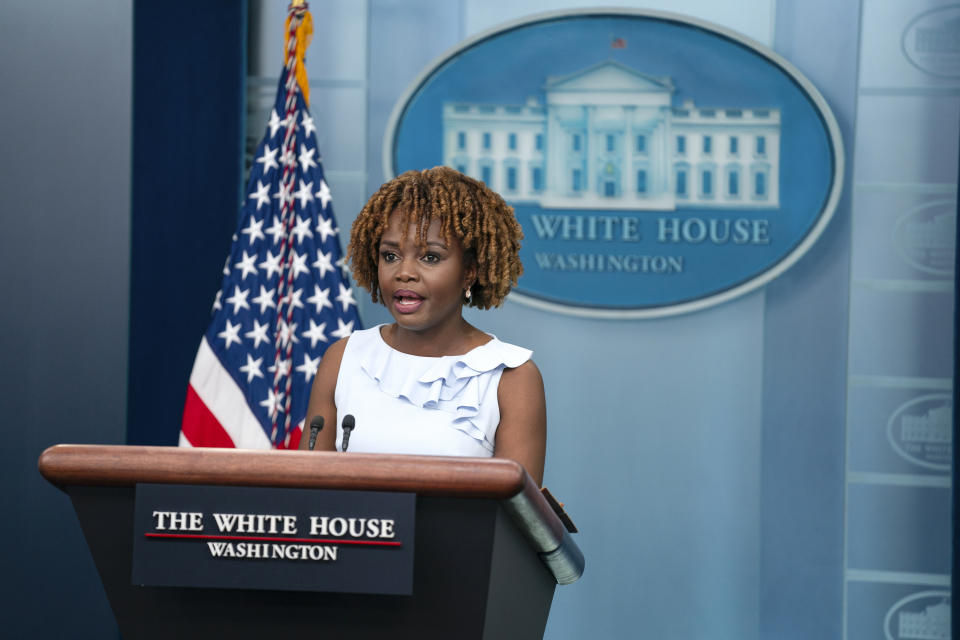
(935, 234)
(933, 623)
(938, 39)
(935, 426)
(609, 137)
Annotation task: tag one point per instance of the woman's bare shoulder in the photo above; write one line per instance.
(526, 374)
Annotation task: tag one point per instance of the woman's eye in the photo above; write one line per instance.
(388, 256)
(431, 257)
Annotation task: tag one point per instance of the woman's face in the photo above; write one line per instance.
(422, 286)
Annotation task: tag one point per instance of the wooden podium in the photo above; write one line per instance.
(489, 550)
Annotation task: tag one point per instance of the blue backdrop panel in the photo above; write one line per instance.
(803, 390)
(65, 125)
(187, 177)
(955, 433)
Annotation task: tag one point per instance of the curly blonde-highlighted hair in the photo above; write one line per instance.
(467, 210)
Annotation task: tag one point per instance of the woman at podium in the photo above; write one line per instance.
(426, 244)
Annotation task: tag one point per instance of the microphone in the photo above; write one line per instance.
(349, 422)
(315, 426)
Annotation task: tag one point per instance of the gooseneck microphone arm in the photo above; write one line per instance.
(316, 425)
(349, 422)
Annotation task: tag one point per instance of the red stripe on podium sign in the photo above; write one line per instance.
(201, 536)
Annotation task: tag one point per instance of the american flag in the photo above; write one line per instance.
(285, 296)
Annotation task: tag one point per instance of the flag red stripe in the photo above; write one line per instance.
(200, 426)
(294, 438)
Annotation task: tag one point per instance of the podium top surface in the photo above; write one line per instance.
(117, 465)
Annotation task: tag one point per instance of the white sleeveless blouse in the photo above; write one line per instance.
(417, 405)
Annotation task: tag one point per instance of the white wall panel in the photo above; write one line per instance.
(752, 18)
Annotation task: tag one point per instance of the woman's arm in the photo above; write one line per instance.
(322, 401)
(522, 433)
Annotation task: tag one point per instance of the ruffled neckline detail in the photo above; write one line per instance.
(454, 384)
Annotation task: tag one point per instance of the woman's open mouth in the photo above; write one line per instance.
(406, 301)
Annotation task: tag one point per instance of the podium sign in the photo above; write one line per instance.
(277, 539)
(490, 550)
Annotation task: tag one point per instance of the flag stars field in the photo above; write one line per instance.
(273, 403)
(261, 194)
(280, 368)
(307, 124)
(320, 299)
(345, 297)
(283, 193)
(324, 196)
(246, 265)
(343, 329)
(239, 299)
(265, 299)
(316, 333)
(299, 265)
(294, 299)
(230, 334)
(309, 367)
(287, 332)
(302, 229)
(252, 368)
(268, 160)
(325, 229)
(258, 334)
(254, 231)
(276, 230)
(271, 264)
(323, 263)
(306, 160)
(304, 194)
(275, 123)
(288, 158)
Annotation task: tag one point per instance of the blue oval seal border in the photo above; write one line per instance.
(658, 164)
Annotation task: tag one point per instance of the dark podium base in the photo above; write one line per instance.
(474, 578)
